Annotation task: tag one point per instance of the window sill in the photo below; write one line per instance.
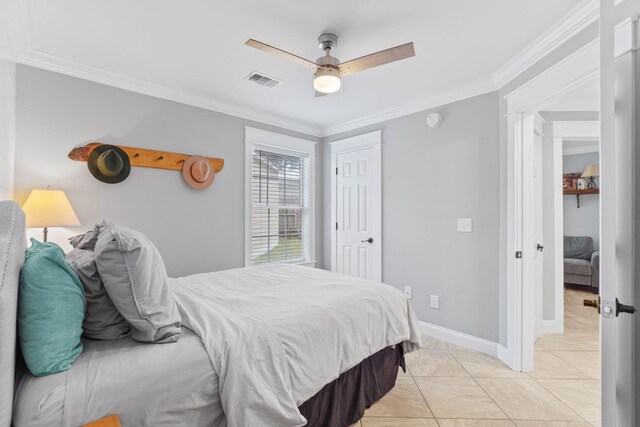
(306, 263)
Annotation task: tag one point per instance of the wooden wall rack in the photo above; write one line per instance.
(145, 158)
(578, 193)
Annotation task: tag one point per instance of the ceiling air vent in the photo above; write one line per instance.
(263, 80)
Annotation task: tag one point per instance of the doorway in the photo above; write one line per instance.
(612, 62)
(356, 206)
(567, 345)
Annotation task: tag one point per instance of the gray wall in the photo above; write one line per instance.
(430, 178)
(586, 220)
(7, 127)
(196, 231)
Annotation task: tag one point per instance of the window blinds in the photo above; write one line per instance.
(279, 210)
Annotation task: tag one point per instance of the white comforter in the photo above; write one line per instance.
(277, 334)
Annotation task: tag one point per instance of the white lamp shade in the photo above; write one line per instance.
(327, 80)
(590, 171)
(49, 208)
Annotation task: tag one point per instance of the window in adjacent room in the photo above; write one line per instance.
(280, 191)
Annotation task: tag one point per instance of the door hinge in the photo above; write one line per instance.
(336, 225)
(336, 171)
(518, 254)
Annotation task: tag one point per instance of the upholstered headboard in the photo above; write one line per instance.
(12, 245)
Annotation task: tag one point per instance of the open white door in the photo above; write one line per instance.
(538, 224)
(532, 267)
(356, 207)
(617, 214)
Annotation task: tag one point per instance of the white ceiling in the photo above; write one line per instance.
(197, 47)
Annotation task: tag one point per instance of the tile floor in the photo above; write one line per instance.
(449, 386)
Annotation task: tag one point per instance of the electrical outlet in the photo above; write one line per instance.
(434, 301)
(465, 225)
(407, 292)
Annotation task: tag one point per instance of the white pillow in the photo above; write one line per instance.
(135, 278)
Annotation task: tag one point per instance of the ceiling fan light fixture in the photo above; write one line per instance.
(327, 80)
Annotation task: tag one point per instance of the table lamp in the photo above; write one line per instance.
(590, 172)
(49, 208)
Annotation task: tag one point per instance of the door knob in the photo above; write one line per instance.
(621, 308)
(369, 240)
(595, 303)
(539, 247)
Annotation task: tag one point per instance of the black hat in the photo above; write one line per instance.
(108, 163)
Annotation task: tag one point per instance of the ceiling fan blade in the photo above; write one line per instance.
(281, 53)
(379, 58)
(319, 94)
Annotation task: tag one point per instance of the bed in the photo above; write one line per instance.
(270, 346)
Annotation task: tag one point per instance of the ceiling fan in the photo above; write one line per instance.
(329, 70)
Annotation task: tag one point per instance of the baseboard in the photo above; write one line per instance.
(544, 327)
(506, 357)
(464, 340)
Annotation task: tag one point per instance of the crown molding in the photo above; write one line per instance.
(46, 61)
(568, 26)
(583, 130)
(576, 104)
(21, 51)
(413, 107)
(583, 147)
(57, 64)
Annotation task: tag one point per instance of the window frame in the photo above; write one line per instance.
(287, 145)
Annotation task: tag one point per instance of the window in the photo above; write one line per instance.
(279, 198)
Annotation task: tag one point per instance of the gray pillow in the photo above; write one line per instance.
(102, 321)
(87, 240)
(135, 278)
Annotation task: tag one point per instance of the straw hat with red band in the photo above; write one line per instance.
(198, 172)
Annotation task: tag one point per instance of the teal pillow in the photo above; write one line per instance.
(51, 309)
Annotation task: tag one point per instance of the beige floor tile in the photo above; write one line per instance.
(401, 373)
(404, 400)
(457, 398)
(454, 347)
(474, 423)
(587, 361)
(525, 399)
(560, 342)
(430, 343)
(583, 396)
(575, 329)
(398, 422)
(548, 365)
(583, 335)
(434, 363)
(593, 343)
(356, 424)
(480, 365)
(552, 423)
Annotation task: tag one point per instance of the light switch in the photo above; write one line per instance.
(465, 225)
(434, 301)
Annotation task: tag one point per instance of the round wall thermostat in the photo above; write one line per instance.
(433, 120)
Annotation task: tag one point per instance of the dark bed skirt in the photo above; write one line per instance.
(342, 402)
